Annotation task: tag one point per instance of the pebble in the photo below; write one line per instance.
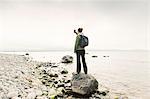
(21, 79)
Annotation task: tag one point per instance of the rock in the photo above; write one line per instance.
(67, 59)
(60, 96)
(94, 56)
(83, 84)
(60, 85)
(50, 81)
(27, 54)
(12, 94)
(54, 66)
(67, 81)
(52, 92)
(68, 85)
(64, 71)
(69, 97)
(16, 98)
(45, 64)
(41, 97)
(53, 75)
(38, 92)
(55, 82)
(31, 95)
(104, 93)
(105, 56)
(52, 97)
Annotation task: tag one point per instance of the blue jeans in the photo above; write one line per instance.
(81, 53)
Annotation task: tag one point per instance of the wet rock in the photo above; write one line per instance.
(64, 71)
(83, 84)
(60, 85)
(27, 54)
(38, 66)
(103, 93)
(43, 82)
(55, 82)
(94, 56)
(50, 81)
(105, 56)
(19, 95)
(67, 59)
(53, 75)
(54, 66)
(67, 81)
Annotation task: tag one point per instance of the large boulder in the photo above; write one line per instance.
(83, 84)
(67, 59)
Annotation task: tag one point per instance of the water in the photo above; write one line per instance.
(123, 72)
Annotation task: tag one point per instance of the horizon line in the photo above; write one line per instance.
(72, 50)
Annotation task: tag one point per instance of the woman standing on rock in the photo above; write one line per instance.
(80, 51)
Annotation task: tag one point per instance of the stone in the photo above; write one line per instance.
(104, 93)
(55, 82)
(60, 85)
(105, 56)
(38, 92)
(84, 84)
(60, 95)
(41, 97)
(67, 81)
(52, 92)
(53, 75)
(27, 54)
(67, 59)
(31, 95)
(68, 85)
(12, 94)
(15, 98)
(54, 66)
(64, 71)
(94, 56)
(52, 97)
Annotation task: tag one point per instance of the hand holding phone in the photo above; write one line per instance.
(75, 31)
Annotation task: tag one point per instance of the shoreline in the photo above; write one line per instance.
(24, 60)
(22, 78)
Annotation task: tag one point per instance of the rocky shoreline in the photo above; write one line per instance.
(22, 78)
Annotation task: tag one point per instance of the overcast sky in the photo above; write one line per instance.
(49, 24)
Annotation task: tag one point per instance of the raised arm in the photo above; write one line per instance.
(75, 32)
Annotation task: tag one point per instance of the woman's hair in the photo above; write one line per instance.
(80, 29)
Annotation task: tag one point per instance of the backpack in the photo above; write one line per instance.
(84, 41)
